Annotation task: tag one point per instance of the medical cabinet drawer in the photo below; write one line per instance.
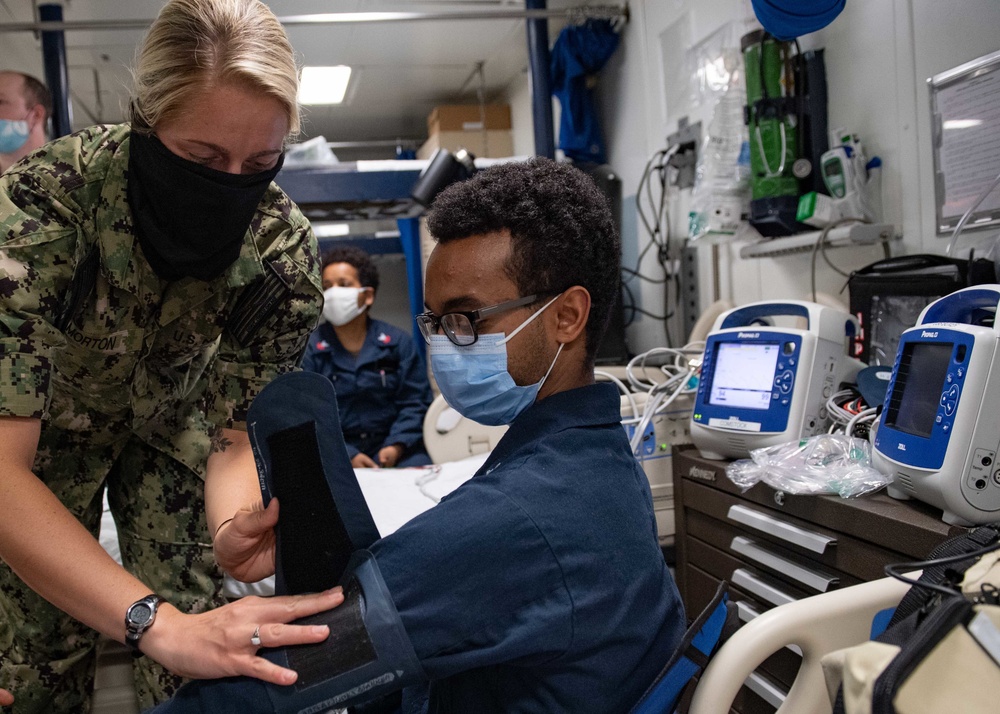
(908, 527)
(808, 575)
(793, 537)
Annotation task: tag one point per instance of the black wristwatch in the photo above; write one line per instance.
(138, 618)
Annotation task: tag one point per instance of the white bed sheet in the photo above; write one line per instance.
(395, 496)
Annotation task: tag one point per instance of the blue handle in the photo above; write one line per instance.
(961, 306)
(746, 315)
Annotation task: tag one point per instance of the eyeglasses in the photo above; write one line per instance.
(460, 327)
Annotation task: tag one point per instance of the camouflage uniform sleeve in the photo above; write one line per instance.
(39, 245)
(244, 367)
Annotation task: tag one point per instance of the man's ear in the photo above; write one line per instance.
(572, 310)
(36, 117)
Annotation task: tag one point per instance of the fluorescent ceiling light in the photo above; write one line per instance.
(962, 123)
(331, 230)
(324, 85)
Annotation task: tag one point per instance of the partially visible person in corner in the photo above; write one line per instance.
(25, 107)
(381, 382)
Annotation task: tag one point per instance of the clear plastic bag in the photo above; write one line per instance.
(721, 192)
(314, 152)
(827, 463)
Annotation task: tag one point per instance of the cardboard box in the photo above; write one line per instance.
(492, 144)
(468, 117)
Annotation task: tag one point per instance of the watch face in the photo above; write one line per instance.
(140, 613)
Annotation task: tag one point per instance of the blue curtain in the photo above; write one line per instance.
(580, 50)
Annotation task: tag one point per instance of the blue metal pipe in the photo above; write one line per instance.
(56, 73)
(409, 238)
(538, 76)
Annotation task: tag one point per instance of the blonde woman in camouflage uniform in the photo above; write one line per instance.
(152, 280)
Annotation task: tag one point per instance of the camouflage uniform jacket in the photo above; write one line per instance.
(138, 355)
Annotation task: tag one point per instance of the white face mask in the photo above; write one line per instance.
(340, 305)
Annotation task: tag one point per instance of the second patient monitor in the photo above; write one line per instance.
(762, 384)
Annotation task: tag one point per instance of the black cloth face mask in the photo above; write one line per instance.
(190, 219)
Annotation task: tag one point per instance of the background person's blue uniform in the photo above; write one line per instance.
(382, 395)
(537, 586)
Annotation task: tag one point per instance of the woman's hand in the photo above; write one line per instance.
(218, 643)
(389, 456)
(6, 698)
(362, 460)
(245, 545)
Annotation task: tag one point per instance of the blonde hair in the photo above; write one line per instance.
(195, 44)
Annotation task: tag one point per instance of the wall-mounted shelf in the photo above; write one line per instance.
(840, 237)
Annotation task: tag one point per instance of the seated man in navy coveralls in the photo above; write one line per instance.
(538, 585)
(381, 382)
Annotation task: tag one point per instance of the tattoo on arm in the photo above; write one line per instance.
(219, 441)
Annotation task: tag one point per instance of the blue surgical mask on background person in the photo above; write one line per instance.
(340, 304)
(13, 134)
(474, 380)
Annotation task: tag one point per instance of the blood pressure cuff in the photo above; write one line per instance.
(367, 655)
(297, 442)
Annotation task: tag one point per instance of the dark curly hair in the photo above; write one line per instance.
(561, 228)
(357, 259)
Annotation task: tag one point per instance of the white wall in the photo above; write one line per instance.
(879, 54)
(392, 303)
(518, 95)
(22, 51)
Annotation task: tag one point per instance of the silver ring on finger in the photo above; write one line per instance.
(255, 637)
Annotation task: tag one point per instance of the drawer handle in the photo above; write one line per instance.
(745, 612)
(758, 585)
(817, 580)
(810, 540)
(765, 689)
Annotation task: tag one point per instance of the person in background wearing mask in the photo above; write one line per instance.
(25, 107)
(381, 382)
(538, 585)
(155, 280)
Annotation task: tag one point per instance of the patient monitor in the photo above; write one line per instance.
(940, 430)
(763, 384)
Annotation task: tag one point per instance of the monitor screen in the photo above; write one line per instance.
(916, 394)
(744, 374)
(965, 128)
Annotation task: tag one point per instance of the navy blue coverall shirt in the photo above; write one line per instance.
(382, 394)
(536, 586)
(539, 585)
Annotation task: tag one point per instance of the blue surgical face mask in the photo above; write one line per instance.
(13, 135)
(474, 380)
